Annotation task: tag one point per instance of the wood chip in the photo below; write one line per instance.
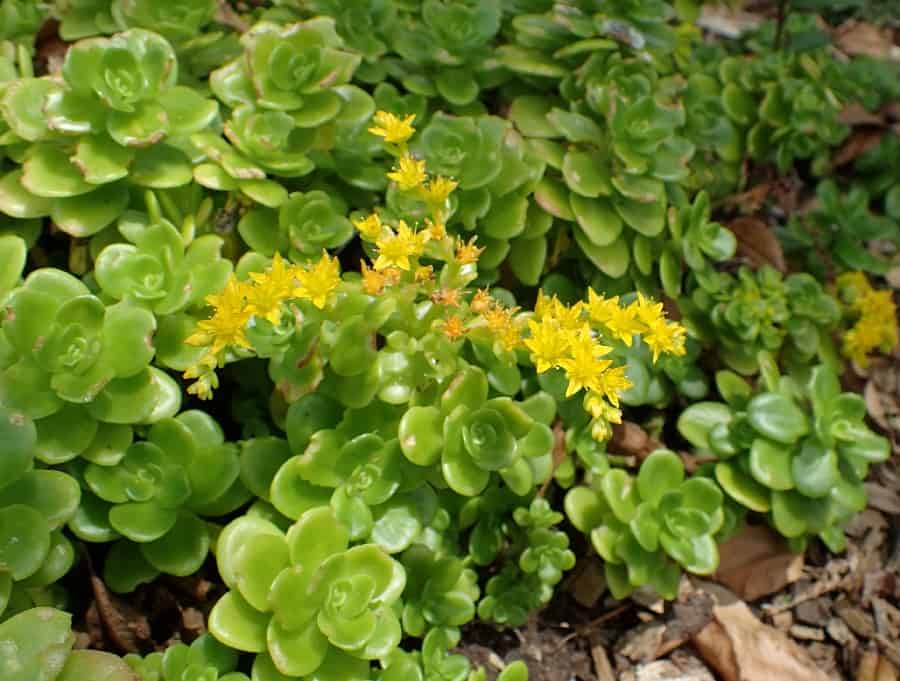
(883, 498)
(643, 643)
(813, 612)
(664, 670)
(840, 632)
(602, 666)
(783, 620)
(806, 633)
(726, 21)
(860, 622)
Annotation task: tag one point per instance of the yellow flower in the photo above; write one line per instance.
(317, 282)
(226, 326)
(424, 274)
(410, 174)
(372, 281)
(548, 344)
(449, 297)
(393, 129)
(665, 337)
(481, 302)
(436, 230)
(584, 367)
(369, 227)
(647, 311)
(467, 253)
(599, 408)
(396, 250)
(501, 322)
(271, 288)
(613, 382)
(619, 321)
(438, 189)
(876, 327)
(453, 327)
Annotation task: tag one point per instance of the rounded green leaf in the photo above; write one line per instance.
(95, 665)
(85, 215)
(52, 493)
(296, 652)
(142, 521)
(612, 260)
(24, 541)
(621, 494)
(815, 469)
(597, 219)
(659, 472)
(48, 172)
(16, 201)
(238, 625)
(421, 434)
(696, 422)
(777, 417)
(18, 437)
(35, 645)
(125, 567)
(742, 488)
(585, 508)
(770, 464)
(23, 106)
(182, 550)
(527, 258)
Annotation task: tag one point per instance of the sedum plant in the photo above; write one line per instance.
(38, 644)
(117, 119)
(874, 317)
(796, 452)
(763, 310)
(35, 503)
(649, 527)
(205, 659)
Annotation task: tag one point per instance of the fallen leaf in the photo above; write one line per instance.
(741, 648)
(726, 21)
(883, 498)
(856, 114)
(126, 627)
(749, 201)
(757, 243)
(860, 38)
(859, 142)
(756, 562)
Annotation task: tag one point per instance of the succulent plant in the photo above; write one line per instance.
(116, 119)
(646, 528)
(796, 453)
(38, 644)
(761, 310)
(841, 225)
(304, 600)
(205, 659)
(70, 348)
(155, 490)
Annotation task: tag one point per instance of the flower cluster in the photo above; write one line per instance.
(875, 326)
(261, 297)
(569, 338)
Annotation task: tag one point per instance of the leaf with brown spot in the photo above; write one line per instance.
(757, 243)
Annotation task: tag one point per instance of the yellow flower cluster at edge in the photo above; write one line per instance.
(875, 327)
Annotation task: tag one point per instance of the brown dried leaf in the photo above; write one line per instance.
(757, 243)
(861, 38)
(883, 498)
(741, 648)
(857, 114)
(756, 562)
(749, 201)
(859, 142)
(127, 628)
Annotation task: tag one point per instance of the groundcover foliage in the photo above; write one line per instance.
(347, 299)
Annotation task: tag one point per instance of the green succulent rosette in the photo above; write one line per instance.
(116, 120)
(441, 591)
(205, 659)
(496, 174)
(797, 454)
(35, 503)
(157, 270)
(647, 528)
(152, 492)
(64, 346)
(754, 311)
(304, 601)
(40, 646)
